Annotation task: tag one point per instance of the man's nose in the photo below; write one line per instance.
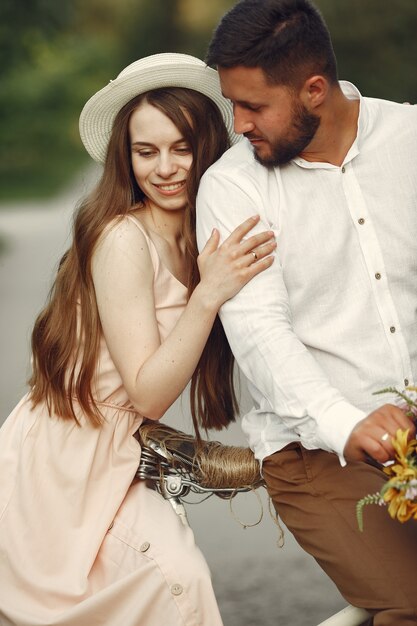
(242, 122)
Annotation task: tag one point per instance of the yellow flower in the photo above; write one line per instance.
(403, 447)
(398, 506)
(403, 469)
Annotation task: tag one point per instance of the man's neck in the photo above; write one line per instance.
(337, 130)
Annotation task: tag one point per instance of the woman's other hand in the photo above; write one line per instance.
(225, 269)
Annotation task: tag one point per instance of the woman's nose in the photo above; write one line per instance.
(166, 165)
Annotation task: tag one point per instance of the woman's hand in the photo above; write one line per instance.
(225, 269)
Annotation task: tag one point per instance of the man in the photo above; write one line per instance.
(335, 318)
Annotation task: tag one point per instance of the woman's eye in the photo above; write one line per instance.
(145, 153)
(183, 150)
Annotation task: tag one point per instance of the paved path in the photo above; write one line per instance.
(257, 584)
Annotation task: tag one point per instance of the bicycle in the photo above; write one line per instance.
(173, 464)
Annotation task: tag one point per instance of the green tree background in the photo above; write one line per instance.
(56, 54)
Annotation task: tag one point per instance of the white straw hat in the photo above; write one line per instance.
(152, 72)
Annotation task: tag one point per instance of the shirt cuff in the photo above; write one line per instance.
(335, 425)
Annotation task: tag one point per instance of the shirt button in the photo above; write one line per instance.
(176, 589)
(406, 381)
(361, 221)
(392, 329)
(378, 276)
(343, 170)
(145, 546)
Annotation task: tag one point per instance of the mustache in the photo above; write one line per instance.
(251, 136)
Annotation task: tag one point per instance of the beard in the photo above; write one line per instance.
(303, 127)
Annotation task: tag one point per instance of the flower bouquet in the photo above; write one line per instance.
(400, 491)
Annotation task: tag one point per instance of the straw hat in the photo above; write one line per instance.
(152, 72)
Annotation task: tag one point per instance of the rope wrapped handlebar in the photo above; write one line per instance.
(214, 465)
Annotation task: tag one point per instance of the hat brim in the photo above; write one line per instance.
(98, 114)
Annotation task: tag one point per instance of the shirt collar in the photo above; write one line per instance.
(352, 93)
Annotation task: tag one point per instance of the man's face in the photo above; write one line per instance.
(272, 117)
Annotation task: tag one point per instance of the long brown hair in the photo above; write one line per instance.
(66, 335)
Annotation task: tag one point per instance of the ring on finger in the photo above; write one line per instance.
(385, 437)
(255, 256)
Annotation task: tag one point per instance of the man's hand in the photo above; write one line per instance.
(372, 435)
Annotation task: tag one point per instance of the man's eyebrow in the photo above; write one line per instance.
(243, 103)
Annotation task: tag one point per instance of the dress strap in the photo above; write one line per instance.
(139, 224)
(152, 248)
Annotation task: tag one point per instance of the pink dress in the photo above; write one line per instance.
(80, 545)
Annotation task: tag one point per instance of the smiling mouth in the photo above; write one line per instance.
(170, 186)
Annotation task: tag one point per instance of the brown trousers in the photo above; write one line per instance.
(316, 498)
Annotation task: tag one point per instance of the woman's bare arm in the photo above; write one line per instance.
(156, 373)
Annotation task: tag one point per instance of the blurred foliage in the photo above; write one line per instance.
(56, 54)
(55, 59)
(375, 42)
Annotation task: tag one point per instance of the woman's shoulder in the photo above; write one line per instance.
(125, 226)
(124, 229)
(125, 236)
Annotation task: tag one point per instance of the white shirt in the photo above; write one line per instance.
(335, 318)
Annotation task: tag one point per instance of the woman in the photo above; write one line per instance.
(81, 542)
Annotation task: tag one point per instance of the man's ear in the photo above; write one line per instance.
(314, 91)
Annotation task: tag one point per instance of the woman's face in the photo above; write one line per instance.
(160, 156)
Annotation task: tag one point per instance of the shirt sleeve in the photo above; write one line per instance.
(258, 324)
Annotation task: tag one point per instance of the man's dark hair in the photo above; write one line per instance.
(287, 39)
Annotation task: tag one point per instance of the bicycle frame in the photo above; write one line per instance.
(171, 473)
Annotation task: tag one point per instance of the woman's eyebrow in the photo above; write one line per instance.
(147, 143)
(141, 143)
